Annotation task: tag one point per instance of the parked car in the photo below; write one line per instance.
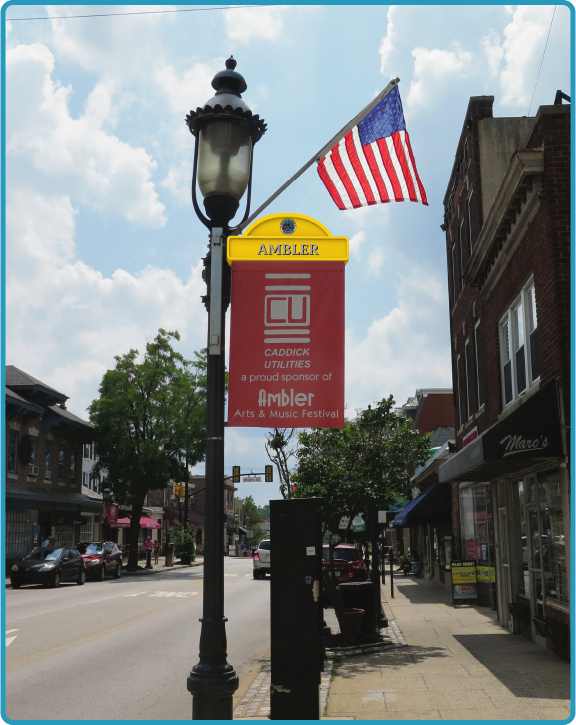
(348, 563)
(101, 558)
(261, 560)
(49, 566)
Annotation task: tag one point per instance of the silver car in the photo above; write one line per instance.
(261, 560)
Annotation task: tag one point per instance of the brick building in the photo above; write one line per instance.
(507, 224)
(426, 522)
(44, 495)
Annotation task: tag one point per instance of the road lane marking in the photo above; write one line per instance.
(230, 574)
(182, 595)
(9, 631)
(86, 638)
(9, 640)
(133, 595)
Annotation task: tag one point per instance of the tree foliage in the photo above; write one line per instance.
(366, 464)
(281, 445)
(250, 509)
(151, 413)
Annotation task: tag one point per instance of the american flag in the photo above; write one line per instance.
(374, 163)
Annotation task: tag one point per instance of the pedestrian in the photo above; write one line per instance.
(46, 542)
(242, 549)
(148, 546)
(156, 550)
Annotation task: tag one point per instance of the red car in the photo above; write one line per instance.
(101, 558)
(348, 563)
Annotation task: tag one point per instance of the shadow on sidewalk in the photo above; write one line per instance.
(524, 668)
(396, 659)
(420, 591)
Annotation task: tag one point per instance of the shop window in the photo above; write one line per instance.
(475, 521)
(552, 538)
(47, 459)
(524, 573)
(519, 358)
(13, 451)
(479, 364)
(18, 532)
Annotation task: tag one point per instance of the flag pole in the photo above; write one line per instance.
(338, 137)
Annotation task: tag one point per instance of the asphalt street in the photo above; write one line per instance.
(122, 649)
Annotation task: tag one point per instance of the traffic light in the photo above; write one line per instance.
(235, 474)
(179, 489)
(293, 489)
(268, 474)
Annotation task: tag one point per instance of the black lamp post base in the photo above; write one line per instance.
(212, 693)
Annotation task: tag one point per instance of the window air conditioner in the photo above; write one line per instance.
(32, 470)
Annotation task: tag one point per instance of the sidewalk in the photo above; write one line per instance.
(459, 664)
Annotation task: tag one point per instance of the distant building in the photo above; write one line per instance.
(44, 449)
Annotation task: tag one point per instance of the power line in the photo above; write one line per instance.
(542, 61)
(141, 12)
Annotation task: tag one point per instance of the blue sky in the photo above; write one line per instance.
(103, 246)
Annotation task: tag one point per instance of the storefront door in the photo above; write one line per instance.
(505, 574)
(534, 541)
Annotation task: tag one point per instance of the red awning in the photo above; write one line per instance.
(145, 523)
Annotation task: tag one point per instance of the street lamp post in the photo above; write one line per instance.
(226, 131)
(107, 497)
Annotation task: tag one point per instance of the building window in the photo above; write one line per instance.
(519, 345)
(18, 532)
(47, 459)
(458, 381)
(468, 363)
(13, 451)
(479, 365)
(72, 464)
(61, 463)
(454, 287)
(462, 252)
(86, 450)
(33, 446)
(471, 225)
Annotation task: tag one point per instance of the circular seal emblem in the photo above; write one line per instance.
(288, 226)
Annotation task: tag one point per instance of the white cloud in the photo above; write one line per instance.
(524, 37)
(65, 320)
(355, 243)
(260, 23)
(387, 45)
(77, 156)
(375, 261)
(432, 68)
(406, 349)
(188, 90)
(493, 51)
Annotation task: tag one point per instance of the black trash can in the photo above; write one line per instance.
(360, 595)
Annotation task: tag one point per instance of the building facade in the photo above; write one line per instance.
(44, 445)
(507, 224)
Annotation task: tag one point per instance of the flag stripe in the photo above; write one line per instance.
(356, 161)
(397, 167)
(389, 166)
(404, 166)
(351, 171)
(375, 149)
(422, 192)
(329, 185)
(344, 178)
(376, 175)
(340, 188)
(410, 167)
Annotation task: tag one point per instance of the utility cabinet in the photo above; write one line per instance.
(297, 653)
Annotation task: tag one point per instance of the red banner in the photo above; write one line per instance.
(287, 345)
(112, 514)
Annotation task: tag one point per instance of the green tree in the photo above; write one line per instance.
(184, 538)
(366, 464)
(281, 445)
(150, 413)
(250, 509)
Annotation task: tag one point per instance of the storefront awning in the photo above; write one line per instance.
(172, 514)
(530, 435)
(432, 506)
(145, 523)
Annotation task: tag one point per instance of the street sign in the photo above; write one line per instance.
(464, 580)
(112, 514)
(358, 523)
(344, 521)
(382, 517)
(250, 533)
(287, 325)
(248, 479)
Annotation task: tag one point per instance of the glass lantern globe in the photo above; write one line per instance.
(224, 154)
